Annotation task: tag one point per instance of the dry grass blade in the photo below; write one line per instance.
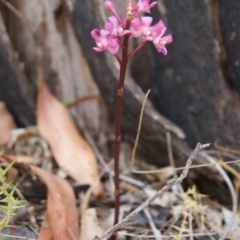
(156, 232)
(70, 150)
(62, 215)
(232, 193)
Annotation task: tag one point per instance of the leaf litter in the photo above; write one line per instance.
(176, 215)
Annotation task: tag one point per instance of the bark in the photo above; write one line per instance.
(104, 68)
(14, 87)
(190, 83)
(229, 20)
(41, 32)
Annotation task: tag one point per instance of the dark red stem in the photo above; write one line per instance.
(118, 116)
(136, 49)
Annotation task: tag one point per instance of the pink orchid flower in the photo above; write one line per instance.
(114, 28)
(104, 41)
(138, 27)
(161, 42)
(131, 25)
(109, 5)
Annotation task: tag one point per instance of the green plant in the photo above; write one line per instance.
(8, 203)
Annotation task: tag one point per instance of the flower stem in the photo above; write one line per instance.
(118, 116)
(136, 49)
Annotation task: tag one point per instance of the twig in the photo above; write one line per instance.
(156, 195)
(71, 234)
(224, 149)
(83, 99)
(12, 8)
(156, 232)
(232, 192)
(197, 235)
(138, 130)
(15, 237)
(169, 148)
(179, 188)
(181, 168)
(221, 153)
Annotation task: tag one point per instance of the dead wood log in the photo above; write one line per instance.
(41, 32)
(191, 85)
(85, 16)
(59, 36)
(229, 21)
(14, 89)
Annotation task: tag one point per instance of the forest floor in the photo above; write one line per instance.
(54, 167)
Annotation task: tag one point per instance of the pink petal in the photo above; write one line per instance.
(94, 33)
(162, 49)
(138, 27)
(167, 38)
(98, 49)
(109, 26)
(113, 45)
(158, 29)
(143, 5)
(160, 43)
(109, 5)
(146, 21)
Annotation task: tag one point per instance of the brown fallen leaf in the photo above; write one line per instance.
(70, 150)
(6, 124)
(45, 232)
(61, 218)
(89, 222)
(89, 225)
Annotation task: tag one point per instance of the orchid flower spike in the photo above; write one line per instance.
(114, 28)
(105, 42)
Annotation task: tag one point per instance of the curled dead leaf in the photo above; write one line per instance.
(89, 225)
(61, 218)
(70, 150)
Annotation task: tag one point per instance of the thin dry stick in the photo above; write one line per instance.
(197, 235)
(169, 148)
(138, 130)
(12, 8)
(225, 149)
(156, 232)
(15, 237)
(171, 159)
(169, 184)
(191, 167)
(233, 195)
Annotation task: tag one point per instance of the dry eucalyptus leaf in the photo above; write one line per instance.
(61, 218)
(6, 124)
(70, 150)
(89, 225)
